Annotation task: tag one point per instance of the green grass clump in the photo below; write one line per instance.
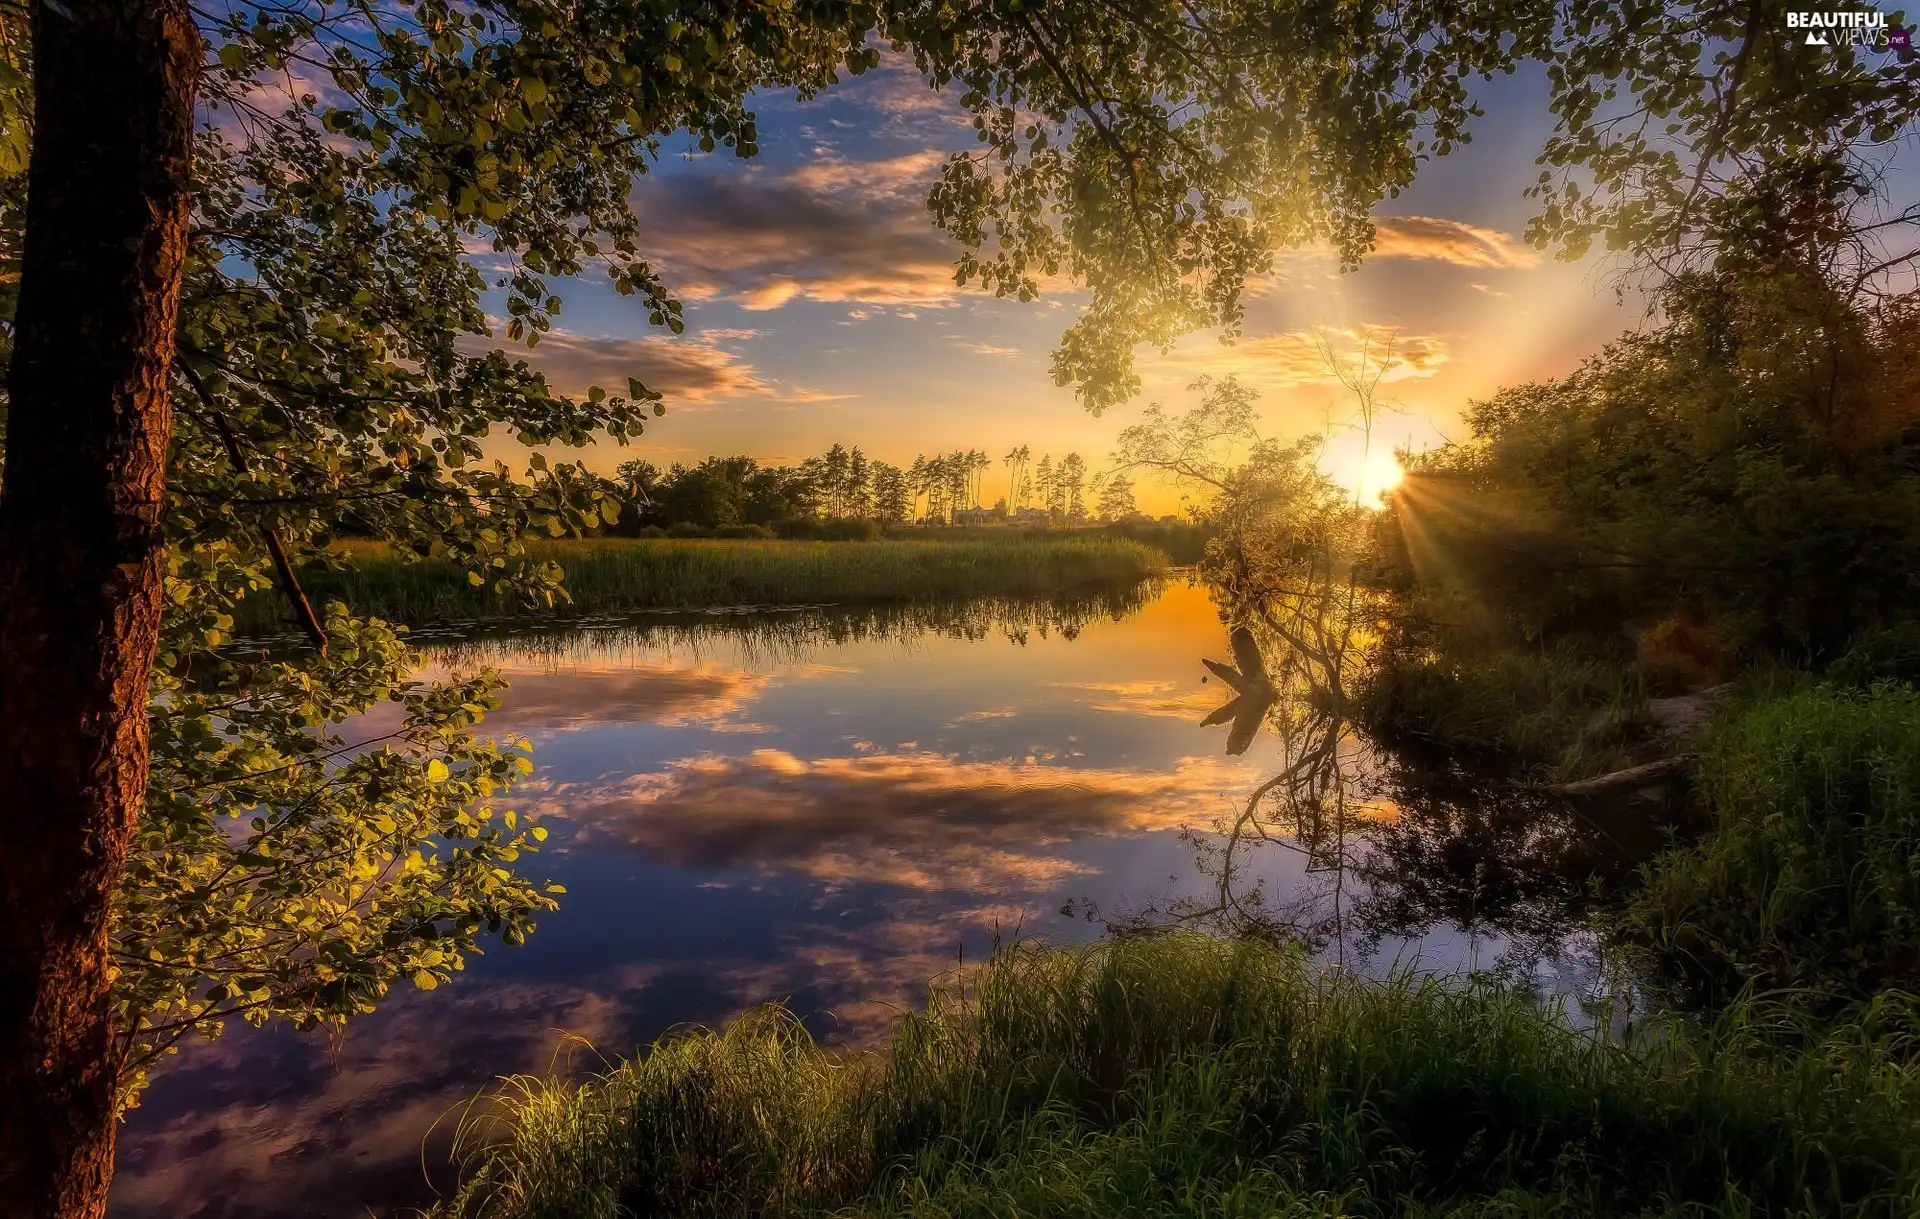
(1570, 708)
(1806, 882)
(1189, 1076)
(614, 575)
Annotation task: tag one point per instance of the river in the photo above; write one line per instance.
(829, 808)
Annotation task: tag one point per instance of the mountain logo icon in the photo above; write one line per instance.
(1817, 38)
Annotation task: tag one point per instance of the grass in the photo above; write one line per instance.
(614, 575)
(1188, 1076)
(1806, 883)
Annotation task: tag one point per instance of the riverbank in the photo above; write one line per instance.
(616, 575)
(1183, 1075)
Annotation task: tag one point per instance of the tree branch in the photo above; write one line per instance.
(302, 608)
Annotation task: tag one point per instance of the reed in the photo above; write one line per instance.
(1188, 1076)
(615, 575)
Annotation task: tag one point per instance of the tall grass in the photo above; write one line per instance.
(1187, 1076)
(612, 575)
(1806, 883)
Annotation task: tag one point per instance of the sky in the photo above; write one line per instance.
(821, 308)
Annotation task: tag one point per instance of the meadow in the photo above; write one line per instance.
(1181, 1075)
(607, 575)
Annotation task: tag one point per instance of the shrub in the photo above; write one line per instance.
(685, 529)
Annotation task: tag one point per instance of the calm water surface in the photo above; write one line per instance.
(826, 809)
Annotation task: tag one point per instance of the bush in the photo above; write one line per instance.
(1807, 882)
(685, 529)
(1187, 1076)
(849, 529)
(651, 531)
(738, 532)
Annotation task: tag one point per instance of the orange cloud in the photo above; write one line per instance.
(687, 370)
(1290, 359)
(1463, 245)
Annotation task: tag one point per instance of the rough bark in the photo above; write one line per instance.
(81, 561)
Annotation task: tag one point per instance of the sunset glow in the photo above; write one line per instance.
(821, 307)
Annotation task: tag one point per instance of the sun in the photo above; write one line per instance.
(1367, 471)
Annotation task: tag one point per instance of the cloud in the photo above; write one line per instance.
(690, 370)
(912, 819)
(262, 1114)
(1463, 245)
(988, 349)
(578, 697)
(896, 100)
(1291, 359)
(829, 230)
(686, 370)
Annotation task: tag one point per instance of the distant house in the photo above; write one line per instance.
(1031, 516)
(974, 516)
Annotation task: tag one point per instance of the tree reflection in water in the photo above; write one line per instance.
(1389, 845)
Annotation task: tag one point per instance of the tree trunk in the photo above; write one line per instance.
(81, 561)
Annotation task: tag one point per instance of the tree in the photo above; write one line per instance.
(1360, 375)
(1043, 481)
(102, 252)
(1069, 487)
(892, 500)
(1116, 498)
(1017, 462)
(859, 497)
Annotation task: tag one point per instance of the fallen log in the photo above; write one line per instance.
(1633, 778)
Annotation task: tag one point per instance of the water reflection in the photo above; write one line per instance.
(1397, 844)
(833, 807)
(830, 807)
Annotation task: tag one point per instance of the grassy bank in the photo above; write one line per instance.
(1185, 1076)
(609, 576)
(1805, 884)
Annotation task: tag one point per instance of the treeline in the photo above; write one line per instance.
(1748, 474)
(845, 493)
